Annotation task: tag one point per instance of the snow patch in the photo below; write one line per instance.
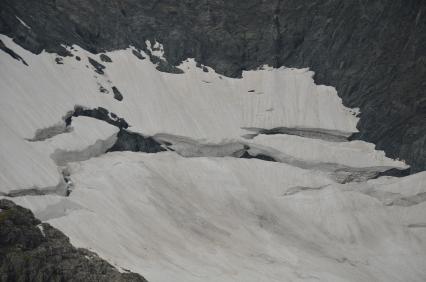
(22, 22)
(40, 227)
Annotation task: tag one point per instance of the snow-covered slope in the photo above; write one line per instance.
(200, 105)
(35, 166)
(308, 210)
(353, 153)
(195, 104)
(226, 219)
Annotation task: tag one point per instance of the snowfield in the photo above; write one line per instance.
(312, 209)
(226, 219)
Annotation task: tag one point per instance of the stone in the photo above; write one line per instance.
(35, 251)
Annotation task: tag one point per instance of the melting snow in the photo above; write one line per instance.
(203, 215)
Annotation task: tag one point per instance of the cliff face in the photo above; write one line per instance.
(35, 251)
(373, 52)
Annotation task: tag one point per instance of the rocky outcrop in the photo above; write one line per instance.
(35, 251)
(373, 52)
(11, 53)
(126, 140)
(97, 113)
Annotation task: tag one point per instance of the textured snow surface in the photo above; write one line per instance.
(354, 153)
(199, 213)
(34, 164)
(224, 219)
(195, 104)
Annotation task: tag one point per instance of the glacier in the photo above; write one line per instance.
(197, 210)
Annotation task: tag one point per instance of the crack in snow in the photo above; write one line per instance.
(59, 189)
(314, 133)
(298, 189)
(126, 140)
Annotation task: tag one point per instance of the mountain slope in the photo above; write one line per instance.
(177, 140)
(195, 176)
(35, 251)
(372, 52)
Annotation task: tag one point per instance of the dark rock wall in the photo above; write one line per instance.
(29, 254)
(373, 52)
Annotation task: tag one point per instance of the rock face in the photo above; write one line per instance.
(373, 52)
(35, 251)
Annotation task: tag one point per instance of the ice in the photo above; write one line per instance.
(226, 219)
(40, 95)
(199, 213)
(353, 153)
(34, 165)
(194, 104)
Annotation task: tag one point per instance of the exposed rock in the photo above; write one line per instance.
(395, 172)
(117, 94)
(105, 58)
(59, 61)
(130, 141)
(263, 157)
(35, 251)
(98, 113)
(126, 140)
(138, 55)
(204, 68)
(164, 66)
(11, 53)
(103, 89)
(99, 68)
